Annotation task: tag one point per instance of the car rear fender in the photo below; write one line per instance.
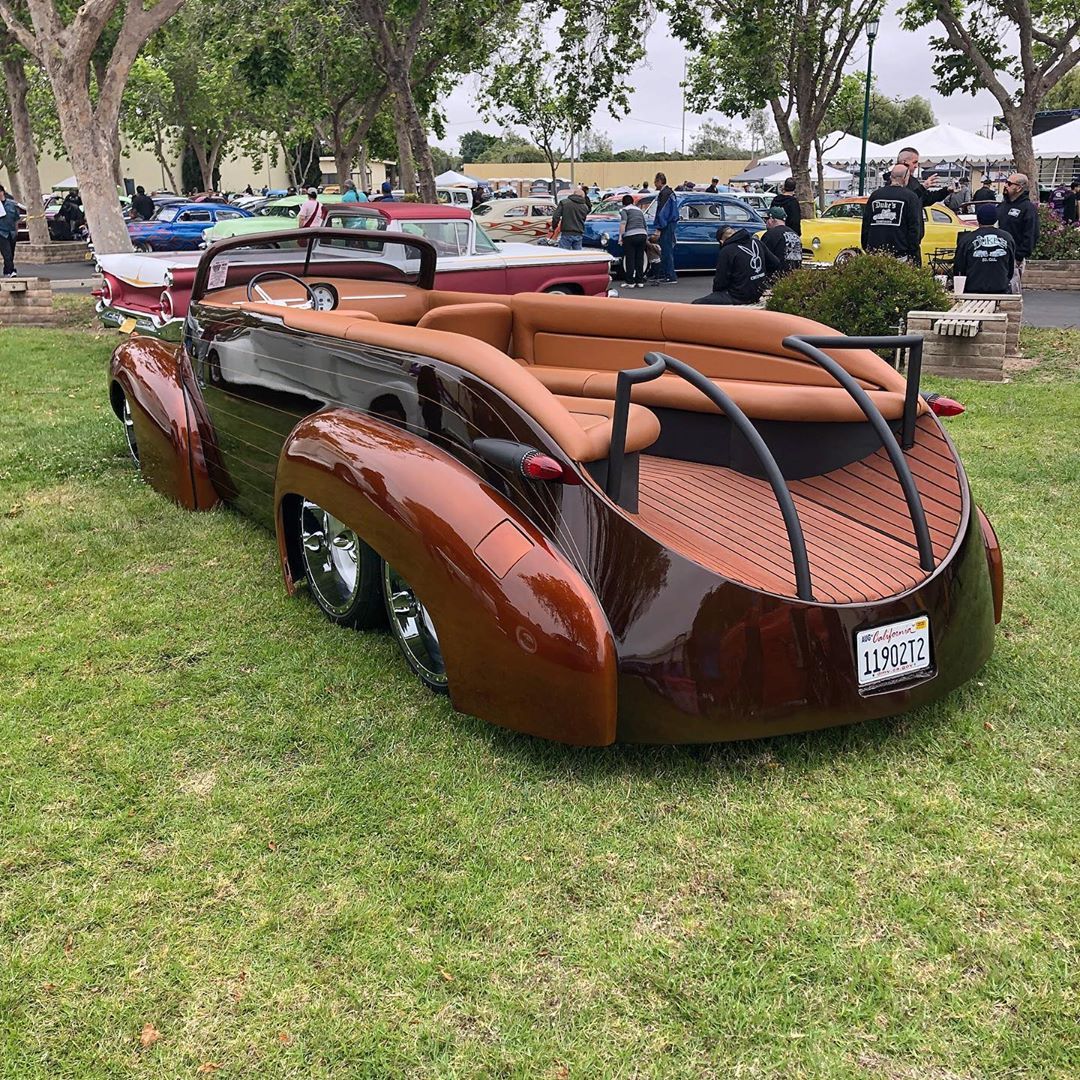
(525, 642)
(147, 371)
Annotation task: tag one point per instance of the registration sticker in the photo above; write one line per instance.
(219, 271)
(126, 326)
(890, 652)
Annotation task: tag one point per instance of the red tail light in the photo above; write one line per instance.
(943, 406)
(537, 466)
(166, 305)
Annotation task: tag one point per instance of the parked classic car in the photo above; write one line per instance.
(700, 214)
(179, 226)
(515, 219)
(747, 549)
(836, 236)
(149, 293)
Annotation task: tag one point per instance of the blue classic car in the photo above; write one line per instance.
(179, 227)
(700, 215)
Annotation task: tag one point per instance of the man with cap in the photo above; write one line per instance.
(714, 187)
(893, 219)
(387, 192)
(784, 243)
(985, 194)
(986, 258)
(791, 205)
(312, 212)
(1019, 218)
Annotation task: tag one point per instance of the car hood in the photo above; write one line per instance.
(247, 226)
(535, 253)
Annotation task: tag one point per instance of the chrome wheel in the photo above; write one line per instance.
(415, 632)
(331, 552)
(129, 430)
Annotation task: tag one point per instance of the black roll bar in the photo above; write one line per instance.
(810, 346)
(656, 363)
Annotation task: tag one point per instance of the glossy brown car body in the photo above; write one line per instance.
(561, 611)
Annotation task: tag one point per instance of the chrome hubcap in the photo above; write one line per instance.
(129, 430)
(331, 557)
(413, 627)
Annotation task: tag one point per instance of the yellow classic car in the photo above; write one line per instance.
(835, 236)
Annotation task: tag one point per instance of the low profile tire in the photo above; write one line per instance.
(411, 625)
(845, 256)
(143, 248)
(343, 573)
(563, 290)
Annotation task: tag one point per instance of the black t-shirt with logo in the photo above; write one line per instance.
(893, 222)
(987, 257)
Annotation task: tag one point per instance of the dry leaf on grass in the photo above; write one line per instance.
(284, 1038)
(208, 1067)
(148, 1036)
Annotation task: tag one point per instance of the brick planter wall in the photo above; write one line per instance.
(27, 301)
(980, 357)
(55, 251)
(1052, 274)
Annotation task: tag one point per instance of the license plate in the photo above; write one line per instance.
(127, 326)
(890, 652)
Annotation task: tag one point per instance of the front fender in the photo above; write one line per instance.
(525, 642)
(148, 372)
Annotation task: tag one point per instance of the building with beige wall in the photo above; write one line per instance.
(612, 174)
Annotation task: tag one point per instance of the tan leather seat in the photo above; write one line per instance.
(594, 416)
(485, 322)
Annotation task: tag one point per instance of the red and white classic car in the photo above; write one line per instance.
(150, 292)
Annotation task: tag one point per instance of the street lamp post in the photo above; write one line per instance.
(873, 24)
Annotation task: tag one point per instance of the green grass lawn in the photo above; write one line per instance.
(252, 831)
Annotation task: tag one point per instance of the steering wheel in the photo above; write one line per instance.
(253, 287)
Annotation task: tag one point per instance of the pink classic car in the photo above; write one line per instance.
(150, 292)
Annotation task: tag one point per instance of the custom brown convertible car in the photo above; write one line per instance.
(586, 518)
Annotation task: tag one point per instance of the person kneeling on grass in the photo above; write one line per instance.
(742, 268)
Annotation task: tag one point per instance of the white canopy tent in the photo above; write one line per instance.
(840, 148)
(943, 142)
(454, 179)
(771, 173)
(1058, 153)
(1060, 142)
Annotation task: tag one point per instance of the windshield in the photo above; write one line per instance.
(482, 209)
(166, 213)
(608, 206)
(276, 210)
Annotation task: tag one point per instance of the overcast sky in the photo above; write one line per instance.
(901, 64)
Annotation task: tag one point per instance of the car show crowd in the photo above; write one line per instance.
(749, 247)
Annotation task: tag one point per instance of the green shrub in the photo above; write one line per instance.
(867, 295)
(1056, 239)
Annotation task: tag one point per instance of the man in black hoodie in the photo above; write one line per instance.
(742, 268)
(792, 207)
(985, 257)
(1019, 218)
(893, 219)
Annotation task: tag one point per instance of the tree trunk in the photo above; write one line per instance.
(166, 166)
(365, 171)
(405, 161)
(1020, 120)
(25, 151)
(91, 153)
(820, 176)
(421, 153)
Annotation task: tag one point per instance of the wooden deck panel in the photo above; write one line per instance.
(859, 537)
